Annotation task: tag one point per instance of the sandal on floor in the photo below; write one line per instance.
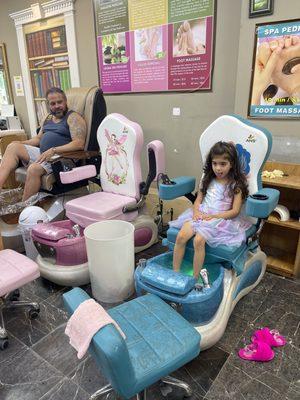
(271, 337)
(257, 351)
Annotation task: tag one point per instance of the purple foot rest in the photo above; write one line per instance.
(60, 242)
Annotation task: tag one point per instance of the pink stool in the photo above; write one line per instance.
(15, 271)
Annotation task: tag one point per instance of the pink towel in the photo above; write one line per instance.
(88, 318)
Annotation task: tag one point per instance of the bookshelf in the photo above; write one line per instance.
(48, 60)
(281, 239)
(48, 53)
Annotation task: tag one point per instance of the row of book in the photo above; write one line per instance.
(41, 110)
(46, 42)
(43, 80)
(59, 61)
(63, 79)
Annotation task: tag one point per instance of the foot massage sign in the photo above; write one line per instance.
(276, 71)
(154, 45)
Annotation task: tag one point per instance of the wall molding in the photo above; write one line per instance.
(35, 13)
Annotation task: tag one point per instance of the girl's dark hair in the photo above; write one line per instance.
(237, 179)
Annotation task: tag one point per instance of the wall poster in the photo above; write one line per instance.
(154, 45)
(275, 88)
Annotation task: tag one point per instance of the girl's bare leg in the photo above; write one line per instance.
(199, 255)
(185, 233)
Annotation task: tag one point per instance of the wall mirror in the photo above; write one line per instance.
(5, 84)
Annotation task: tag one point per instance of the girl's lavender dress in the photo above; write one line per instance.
(216, 231)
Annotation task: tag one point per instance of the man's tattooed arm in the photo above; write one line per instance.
(77, 128)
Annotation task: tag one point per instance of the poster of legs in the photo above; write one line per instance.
(275, 90)
(154, 45)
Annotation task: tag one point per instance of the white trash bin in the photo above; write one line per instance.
(110, 251)
(28, 218)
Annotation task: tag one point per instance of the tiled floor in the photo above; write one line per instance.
(40, 364)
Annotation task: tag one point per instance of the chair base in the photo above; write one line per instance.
(11, 301)
(169, 380)
(233, 288)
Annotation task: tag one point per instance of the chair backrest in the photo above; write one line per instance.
(90, 104)
(120, 141)
(253, 144)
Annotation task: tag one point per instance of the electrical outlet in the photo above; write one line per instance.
(176, 111)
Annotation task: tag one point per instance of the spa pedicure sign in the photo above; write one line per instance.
(275, 90)
(154, 45)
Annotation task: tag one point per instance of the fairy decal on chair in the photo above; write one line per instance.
(116, 162)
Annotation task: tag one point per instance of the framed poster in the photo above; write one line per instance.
(275, 83)
(154, 45)
(258, 8)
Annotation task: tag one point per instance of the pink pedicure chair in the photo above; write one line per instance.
(61, 245)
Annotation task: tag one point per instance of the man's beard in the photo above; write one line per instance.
(55, 113)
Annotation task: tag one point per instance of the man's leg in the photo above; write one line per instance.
(33, 180)
(13, 154)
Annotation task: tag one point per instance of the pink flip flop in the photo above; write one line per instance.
(271, 337)
(257, 351)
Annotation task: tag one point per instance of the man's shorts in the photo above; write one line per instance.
(34, 153)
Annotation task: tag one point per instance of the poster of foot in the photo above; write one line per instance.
(275, 89)
(154, 45)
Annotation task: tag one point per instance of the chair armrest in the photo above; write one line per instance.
(77, 155)
(107, 345)
(73, 298)
(179, 187)
(78, 174)
(262, 203)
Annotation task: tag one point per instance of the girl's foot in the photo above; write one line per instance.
(204, 276)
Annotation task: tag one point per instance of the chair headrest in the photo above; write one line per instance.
(83, 100)
(253, 144)
(76, 98)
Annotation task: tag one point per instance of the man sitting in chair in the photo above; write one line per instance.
(62, 131)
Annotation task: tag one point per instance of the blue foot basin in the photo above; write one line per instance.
(198, 307)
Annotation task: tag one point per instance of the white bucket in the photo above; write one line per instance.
(110, 251)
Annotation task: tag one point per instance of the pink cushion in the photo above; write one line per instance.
(15, 271)
(98, 207)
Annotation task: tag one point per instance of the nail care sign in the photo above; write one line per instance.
(154, 45)
(275, 89)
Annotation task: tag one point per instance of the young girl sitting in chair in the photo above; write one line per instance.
(214, 218)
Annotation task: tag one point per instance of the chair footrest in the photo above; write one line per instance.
(167, 279)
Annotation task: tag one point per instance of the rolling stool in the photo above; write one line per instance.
(15, 271)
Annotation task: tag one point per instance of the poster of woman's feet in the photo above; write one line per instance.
(154, 45)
